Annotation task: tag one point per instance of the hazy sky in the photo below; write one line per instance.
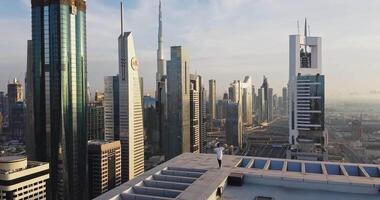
(226, 39)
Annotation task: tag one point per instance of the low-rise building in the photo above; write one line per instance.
(197, 176)
(22, 179)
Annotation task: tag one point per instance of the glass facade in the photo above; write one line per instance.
(59, 72)
(310, 102)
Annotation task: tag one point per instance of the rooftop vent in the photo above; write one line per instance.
(163, 185)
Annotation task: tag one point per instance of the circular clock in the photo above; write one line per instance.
(134, 63)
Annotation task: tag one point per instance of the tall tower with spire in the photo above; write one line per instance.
(160, 53)
(161, 83)
(307, 133)
(130, 108)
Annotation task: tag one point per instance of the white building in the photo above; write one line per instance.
(196, 176)
(22, 179)
(195, 113)
(130, 109)
(247, 104)
(212, 99)
(306, 97)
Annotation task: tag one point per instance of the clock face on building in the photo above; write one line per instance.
(134, 63)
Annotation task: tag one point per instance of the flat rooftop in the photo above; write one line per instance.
(197, 176)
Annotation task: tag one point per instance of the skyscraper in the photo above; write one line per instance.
(195, 112)
(99, 97)
(59, 81)
(15, 93)
(151, 121)
(270, 104)
(234, 124)
(264, 103)
(254, 101)
(161, 84)
(285, 101)
(212, 99)
(235, 91)
(3, 104)
(111, 108)
(95, 121)
(307, 133)
(130, 108)
(203, 118)
(16, 109)
(29, 112)
(17, 120)
(178, 131)
(160, 51)
(247, 108)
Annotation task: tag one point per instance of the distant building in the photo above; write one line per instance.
(212, 100)
(225, 95)
(275, 104)
(17, 120)
(23, 179)
(111, 108)
(235, 91)
(95, 121)
(16, 110)
(15, 92)
(1, 123)
(254, 100)
(195, 113)
(307, 133)
(247, 99)
(3, 103)
(178, 130)
(104, 166)
(203, 118)
(131, 121)
(280, 105)
(234, 124)
(151, 120)
(244, 180)
(222, 109)
(284, 101)
(99, 97)
(270, 104)
(264, 103)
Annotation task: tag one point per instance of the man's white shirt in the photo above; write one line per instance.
(219, 152)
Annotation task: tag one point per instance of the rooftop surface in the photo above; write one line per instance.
(196, 176)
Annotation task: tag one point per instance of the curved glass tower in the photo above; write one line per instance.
(59, 79)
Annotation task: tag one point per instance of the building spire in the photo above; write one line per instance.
(305, 27)
(160, 43)
(160, 52)
(306, 35)
(121, 17)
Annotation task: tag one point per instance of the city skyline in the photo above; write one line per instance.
(345, 52)
(77, 122)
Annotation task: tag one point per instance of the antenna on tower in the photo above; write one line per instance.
(305, 28)
(121, 17)
(298, 26)
(305, 34)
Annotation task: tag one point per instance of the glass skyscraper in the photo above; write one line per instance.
(59, 81)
